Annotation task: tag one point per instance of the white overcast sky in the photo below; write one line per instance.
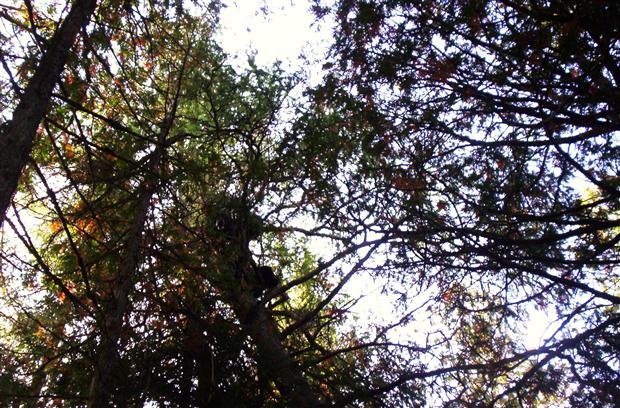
(276, 30)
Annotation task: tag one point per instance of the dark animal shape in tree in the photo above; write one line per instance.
(265, 279)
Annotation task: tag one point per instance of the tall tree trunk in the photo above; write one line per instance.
(18, 137)
(273, 360)
(107, 377)
(107, 374)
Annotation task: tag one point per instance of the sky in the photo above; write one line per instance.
(277, 30)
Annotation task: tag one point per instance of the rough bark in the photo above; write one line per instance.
(18, 137)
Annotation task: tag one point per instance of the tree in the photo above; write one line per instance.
(436, 164)
(18, 134)
(150, 137)
(485, 134)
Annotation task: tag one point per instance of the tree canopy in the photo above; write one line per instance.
(455, 175)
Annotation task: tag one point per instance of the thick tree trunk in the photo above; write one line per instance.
(273, 360)
(18, 137)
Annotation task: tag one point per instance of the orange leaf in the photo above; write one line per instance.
(56, 226)
(69, 150)
(40, 332)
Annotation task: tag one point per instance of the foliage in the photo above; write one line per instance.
(459, 160)
(486, 133)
